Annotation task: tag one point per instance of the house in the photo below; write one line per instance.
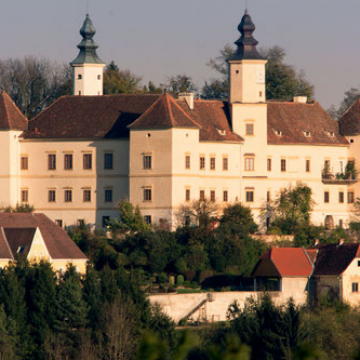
(337, 271)
(36, 237)
(78, 157)
(287, 270)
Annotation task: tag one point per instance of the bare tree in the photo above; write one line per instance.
(119, 329)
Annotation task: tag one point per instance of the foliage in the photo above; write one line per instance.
(181, 83)
(283, 82)
(292, 208)
(34, 83)
(350, 96)
(118, 81)
(19, 208)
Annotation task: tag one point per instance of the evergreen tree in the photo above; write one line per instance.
(41, 298)
(8, 339)
(71, 310)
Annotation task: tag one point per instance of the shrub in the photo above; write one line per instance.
(180, 280)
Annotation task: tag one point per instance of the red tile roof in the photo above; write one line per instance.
(350, 121)
(163, 114)
(294, 119)
(289, 262)
(334, 259)
(89, 117)
(58, 243)
(214, 118)
(11, 117)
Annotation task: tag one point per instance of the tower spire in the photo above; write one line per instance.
(87, 67)
(88, 46)
(246, 44)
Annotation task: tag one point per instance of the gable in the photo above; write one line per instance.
(265, 268)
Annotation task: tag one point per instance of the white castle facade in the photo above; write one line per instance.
(85, 152)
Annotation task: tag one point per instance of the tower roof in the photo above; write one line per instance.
(88, 46)
(11, 117)
(164, 113)
(246, 44)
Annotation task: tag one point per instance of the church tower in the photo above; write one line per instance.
(88, 68)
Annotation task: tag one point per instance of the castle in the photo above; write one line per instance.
(78, 157)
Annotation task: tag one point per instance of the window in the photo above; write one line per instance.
(99, 77)
(81, 223)
(307, 165)
(212, 195)
(202, 195)
(249, 164)
(249, 129)
(326, 197)
(268, 196)
(283, 165)
(202, 163)
(108, 161)
(68, 162)
(79, 77)
(187, 194)
(52, 162)
(147, 194)
(225, 196)
(250, 196)
(355, 287)
(212, 163)
(225, 163)
(358, 263)
(278, 133)
(87, 161)
(87, 195)
(52, 196)
(147, 219)
(59, 222)
(108, 195)
(341, 223)
(187, 162)
(105, 221)
(147, 162)
(341, 197)
(351, 197)
(24, 196)
(24, 163)
(307, 133)
(268, 164)
(68, 196)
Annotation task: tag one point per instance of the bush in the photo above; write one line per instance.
(180, 280)
(163, 278)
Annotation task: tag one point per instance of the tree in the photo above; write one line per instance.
(71, 310)
(118, 81)
(282, 80)
(350, 97)
(181, 83)
(34, 83)
(19, 208)
(7, 339)
(131, 219)
(292, 208)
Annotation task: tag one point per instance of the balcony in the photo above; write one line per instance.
(339, 178)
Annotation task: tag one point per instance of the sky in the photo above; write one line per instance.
(160, 38)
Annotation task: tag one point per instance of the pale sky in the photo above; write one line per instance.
(159, 38)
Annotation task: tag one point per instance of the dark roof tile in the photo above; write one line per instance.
(11, 117)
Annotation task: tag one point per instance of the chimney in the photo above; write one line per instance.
(341, 241)
(316, 242)
(300, 99)
(188, 97)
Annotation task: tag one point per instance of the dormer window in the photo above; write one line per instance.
(331, 133)
(221, 132)
(307, 133)
(20, 249)
(278, 133)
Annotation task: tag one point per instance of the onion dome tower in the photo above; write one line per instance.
(88, 68)
(247, 67)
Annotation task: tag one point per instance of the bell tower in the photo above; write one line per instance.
(88, 68)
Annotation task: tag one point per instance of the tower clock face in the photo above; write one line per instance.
(261, 76)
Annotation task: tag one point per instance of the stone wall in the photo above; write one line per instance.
(215, 304)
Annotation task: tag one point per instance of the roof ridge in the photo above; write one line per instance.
(184, 113)
(9, 98)
(168, 103)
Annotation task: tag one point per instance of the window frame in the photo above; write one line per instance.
(106, 192)
(51, 195)
(249, 196)
(212, 195)
(249, 126)
(68, 162)
(87, 195)
(283, 165)
(202, 163)
(147, 194)
(225, 195)
(354, 287)
(249, 163)
(307, 165)
(351, 197)
(87, 161)
(326, 197)
(187, 195)
(68, 195)
(24, 195)
(269, 164)
(187, 162)
(225, 163)
(147, 162)
(108, 161)
(51, 162)
(24, 162)
(213, 163)
(202, 195)
(341, 197)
